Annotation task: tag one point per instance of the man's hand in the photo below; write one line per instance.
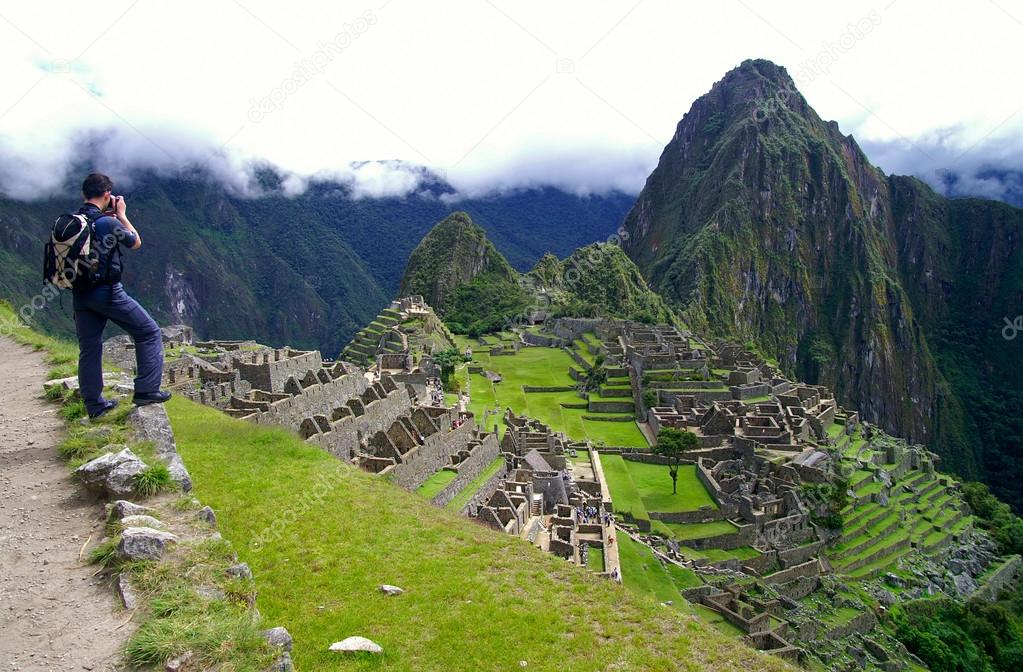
(121, 212)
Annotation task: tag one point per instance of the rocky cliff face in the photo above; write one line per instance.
(454, 253)
(764, 222)
(596, 280)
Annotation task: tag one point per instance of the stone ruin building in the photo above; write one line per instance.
(372, 420)
(547, 500)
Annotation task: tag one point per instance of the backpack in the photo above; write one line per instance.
(70, 257)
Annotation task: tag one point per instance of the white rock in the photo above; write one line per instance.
(141, 520)
(356, 645)
(391, 590)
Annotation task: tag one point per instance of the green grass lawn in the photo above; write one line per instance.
(717, 621)
(433, 485)
(654, 485)
(624, 495)
(463, 497)
(638, 488)
(717, 554)
(643, 573)
(539, 367)
(62, 355)
(686, 531)
(321, 537)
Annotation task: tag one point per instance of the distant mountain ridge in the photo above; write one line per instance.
(307, 270)
(763, 222)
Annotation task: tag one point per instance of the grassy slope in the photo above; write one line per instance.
(341, 533)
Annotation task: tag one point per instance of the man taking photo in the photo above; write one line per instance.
(101, 297)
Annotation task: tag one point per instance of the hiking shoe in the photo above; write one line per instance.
(109, 406)
(147, 398)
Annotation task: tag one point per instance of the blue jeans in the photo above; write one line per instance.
(93, 307)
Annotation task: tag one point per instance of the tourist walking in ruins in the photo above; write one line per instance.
(99, 297)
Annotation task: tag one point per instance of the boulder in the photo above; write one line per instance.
(388, 589)
(278, 637)
(141, 521)
(122, 508)
(965, 585)
(239, 571)
(112, 473)
(356, 645)
(207, 515)
(211, 593)
(125, 591)
(143, 543)
(895, 580)
(179, 663)
(121, 479)
(152, 424)
(282, 664)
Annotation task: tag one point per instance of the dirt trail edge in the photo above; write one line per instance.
(54, 615)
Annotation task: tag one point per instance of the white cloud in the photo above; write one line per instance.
(581, 95)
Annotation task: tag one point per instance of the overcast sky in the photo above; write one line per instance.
(581, 95)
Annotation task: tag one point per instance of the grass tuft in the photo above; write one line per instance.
(105, 554)
(153, 479)
(73, 409)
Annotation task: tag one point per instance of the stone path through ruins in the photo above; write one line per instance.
(54, 615)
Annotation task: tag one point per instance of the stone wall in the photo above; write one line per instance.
(544, 340)
(806, 569)
(703, 515)
(271, 370)
(342, 437)
(571, 328)
(485, 492)
(1000, 578)
(799, 554)
(798, 588)
(316, 399)
(470, 468)
(744, 535)
(434, 453)
(861, 624)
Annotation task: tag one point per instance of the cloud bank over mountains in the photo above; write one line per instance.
(488, 96)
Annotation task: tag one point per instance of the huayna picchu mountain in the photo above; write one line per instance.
(599, 280)
(476, 291)
(762, 221)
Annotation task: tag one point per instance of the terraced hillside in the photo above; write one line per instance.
(396, 330)
(898, 505)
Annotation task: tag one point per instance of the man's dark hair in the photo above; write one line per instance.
(96, 184)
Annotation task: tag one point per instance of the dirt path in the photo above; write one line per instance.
(53, 614)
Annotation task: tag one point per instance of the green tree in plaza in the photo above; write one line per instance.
(673, 443)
